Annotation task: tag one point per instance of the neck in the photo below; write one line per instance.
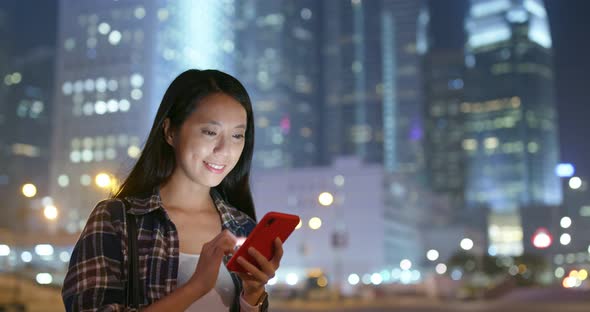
(179, 193)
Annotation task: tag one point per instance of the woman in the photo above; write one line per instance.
(190, 195)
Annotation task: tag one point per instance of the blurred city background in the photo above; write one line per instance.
(434, 150)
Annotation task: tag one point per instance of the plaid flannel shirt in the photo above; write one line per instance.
(97, 272)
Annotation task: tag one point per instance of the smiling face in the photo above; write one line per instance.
(210, 141)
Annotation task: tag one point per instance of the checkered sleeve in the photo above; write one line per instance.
(95, 279)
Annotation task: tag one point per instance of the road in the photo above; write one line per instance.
(47, 299)
(416, 306)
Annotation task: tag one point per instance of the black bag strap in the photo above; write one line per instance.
(133, 285)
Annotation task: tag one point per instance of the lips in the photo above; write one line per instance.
(216, 168)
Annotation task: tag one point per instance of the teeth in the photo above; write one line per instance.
(218, 167)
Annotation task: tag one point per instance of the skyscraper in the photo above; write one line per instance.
(510, 131)
(443, 123)
(114, 62)
(372, 82)
(26, 87)
(278, 45)
(373, 107)
(25, 123)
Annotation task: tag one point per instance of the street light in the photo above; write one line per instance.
(405, 264)
(575, 183)
(4, 250)
(466, 244)
(315, 223)
(441, 268)
(432, 255)
(565, 239)
(565, 222)
(292, 279)
(44, 250)
(353, 279)
(326, 199)
(50, 212)
(103, 180)
(29, 190)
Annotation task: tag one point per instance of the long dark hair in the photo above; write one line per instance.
(157, 160)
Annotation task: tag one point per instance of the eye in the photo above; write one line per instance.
(208, 132)
(239, 136)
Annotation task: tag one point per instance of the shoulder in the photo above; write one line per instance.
(107, 216)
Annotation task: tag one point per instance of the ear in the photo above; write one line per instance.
(168, 132)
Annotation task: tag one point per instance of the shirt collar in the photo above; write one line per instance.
(141, 205)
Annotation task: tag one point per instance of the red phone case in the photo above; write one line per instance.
(273, 224)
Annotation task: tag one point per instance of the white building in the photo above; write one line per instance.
(355, 218)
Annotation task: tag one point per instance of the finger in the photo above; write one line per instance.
(229, 245)
(225, 241)
(278, 253)
(263, 263)
(246, 277)
(228, 238)
(217, 237)
(225, 248)
(253, 270)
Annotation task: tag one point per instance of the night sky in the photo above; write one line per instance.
(569, 26)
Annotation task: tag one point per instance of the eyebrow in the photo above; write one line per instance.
(216, 123)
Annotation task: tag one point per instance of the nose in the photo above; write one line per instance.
(221, 146)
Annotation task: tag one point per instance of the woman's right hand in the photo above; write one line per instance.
(212, 253)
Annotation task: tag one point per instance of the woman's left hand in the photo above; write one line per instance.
(254, 281)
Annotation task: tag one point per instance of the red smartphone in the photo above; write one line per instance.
(273, 224)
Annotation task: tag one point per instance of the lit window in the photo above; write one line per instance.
(69, 44)
(133, 151)
(78, 86)
(110, 153)
(91, 42)
(262, 122)
(112, 85)
(104, 28)
(63, 180)
(469, 144)
(85, 179)
(87, 155)
(163, 14)
(88, 109)
(101, 84)
(306, 14)
(491, 143)
(357, 67)
(136, 94)
(533, 147)
(75, 156)
(139, 12)
(100, 107)
(112, 106)
(124, 105)
(115, 37)
(136, 80)
(305, 132)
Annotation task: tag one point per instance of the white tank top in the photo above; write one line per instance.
(219, 298)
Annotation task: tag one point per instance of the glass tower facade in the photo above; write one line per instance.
(114, 62)
(511, 124)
